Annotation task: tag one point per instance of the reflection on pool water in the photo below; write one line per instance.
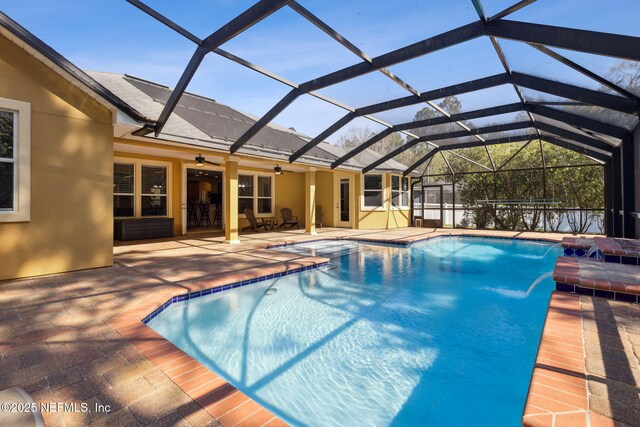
(440, 333)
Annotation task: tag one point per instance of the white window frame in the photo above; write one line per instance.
(255, 196)
(137, 185)
(400, 192)
(21, 211)
(382, 207)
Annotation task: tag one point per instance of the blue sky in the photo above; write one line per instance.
(112, 35)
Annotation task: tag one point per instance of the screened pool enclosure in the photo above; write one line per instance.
(516, 116)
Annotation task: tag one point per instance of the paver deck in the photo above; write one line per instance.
(587, 371)
(77, 337)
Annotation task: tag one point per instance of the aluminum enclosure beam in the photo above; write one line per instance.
(457, 89)
(537, 35)
(246, 19)
(471, 115)
(606, 44)
(421, 48)
(503, 109)
(433, 44)
(519, 79)
(521, 138)
(577, 93)
(511, 9)
(358, 52)
(582, 70)
(597, 144)
(446, 135)
(578, 121)
(264, 120)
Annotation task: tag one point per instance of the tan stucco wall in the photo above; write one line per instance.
(324, 196)
(384, 218)
(71, 174)
(290, 194)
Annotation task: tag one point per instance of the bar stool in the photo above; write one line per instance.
(217, 217)
(192, 215)
(205, 219)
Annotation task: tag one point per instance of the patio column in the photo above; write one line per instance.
(231, 200)
(310, 201)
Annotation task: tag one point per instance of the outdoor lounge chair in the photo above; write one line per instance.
(319, 216)
(288, 218)
(253, 222)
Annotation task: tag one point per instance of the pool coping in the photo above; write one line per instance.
(569, 277)
(220, 399)
(558, 392)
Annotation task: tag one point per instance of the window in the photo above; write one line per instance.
(154, 191)
(399, 191)
(373, 191)
(245, 193)
(15, 154)
(264, 195)
(140, 188)
(260, 201)
(8, 162)
(123, 190)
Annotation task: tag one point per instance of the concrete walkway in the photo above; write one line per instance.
(56, 340)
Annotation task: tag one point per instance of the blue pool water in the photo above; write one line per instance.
(443, 333)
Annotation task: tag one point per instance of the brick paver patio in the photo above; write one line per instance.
(58, 340)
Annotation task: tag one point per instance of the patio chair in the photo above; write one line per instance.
(319, 216)
(288, 218)
(253, 222)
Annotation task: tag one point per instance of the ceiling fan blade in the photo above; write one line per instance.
(211, 163)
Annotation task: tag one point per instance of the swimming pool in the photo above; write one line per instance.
(441, 333)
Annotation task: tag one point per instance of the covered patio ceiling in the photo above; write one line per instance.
(587, 112)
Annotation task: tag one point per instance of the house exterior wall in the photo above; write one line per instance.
(384, 217)
(289, 193)
(288, 188)
(324, 196)
(71, 193)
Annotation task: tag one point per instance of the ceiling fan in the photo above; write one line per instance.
(200, 161)
(278, 170)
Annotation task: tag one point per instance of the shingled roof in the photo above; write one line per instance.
(203, 119)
